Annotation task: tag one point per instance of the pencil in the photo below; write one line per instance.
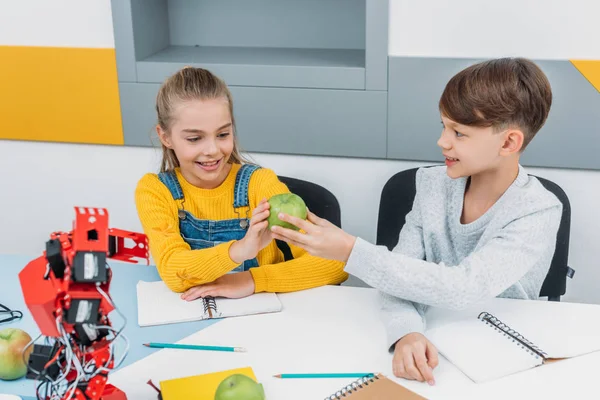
(326, 375)
(194, 347)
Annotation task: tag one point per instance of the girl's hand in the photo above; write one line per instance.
(257, 237)
(322, 238)
(233, 286)
(415, 357)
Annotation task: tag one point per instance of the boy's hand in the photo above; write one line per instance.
(321, 237)
(415, 357)
(257, 237)
(233, 286)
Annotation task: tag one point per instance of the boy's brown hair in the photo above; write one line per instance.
(501, 93)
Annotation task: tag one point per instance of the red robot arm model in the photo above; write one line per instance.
(67, 292)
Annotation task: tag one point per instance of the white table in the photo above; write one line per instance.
(337, 329)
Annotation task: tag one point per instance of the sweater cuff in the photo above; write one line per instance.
(362, 250)
(260, 279)
(396, 329)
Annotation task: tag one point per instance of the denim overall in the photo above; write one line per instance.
(204, 233)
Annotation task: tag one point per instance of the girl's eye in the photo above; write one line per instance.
(224, 134)
(193, 139)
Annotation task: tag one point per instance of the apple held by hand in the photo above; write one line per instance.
(287, 203)
(239, 387)
(12, 343)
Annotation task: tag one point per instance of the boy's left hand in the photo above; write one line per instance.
(233, 286)
(321, 237)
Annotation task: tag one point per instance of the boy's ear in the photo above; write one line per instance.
(513, 142)
(163, 137)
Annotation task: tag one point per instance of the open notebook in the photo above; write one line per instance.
(159, 305)
(518, 336)
(376, 387)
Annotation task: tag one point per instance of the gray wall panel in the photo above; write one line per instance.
(150, 26)
(279, 120)
(262, 75)
(377, 44)
(316, 122)
(139, 117)
(326, 24)
(570, 138)
(124, 47)
(415, 86)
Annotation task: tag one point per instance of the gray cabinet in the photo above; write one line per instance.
(296, 68)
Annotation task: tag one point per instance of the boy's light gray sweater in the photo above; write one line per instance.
(440, 262)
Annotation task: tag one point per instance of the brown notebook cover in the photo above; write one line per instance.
(377, 387)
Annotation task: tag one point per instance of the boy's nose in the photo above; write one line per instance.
(443, 142)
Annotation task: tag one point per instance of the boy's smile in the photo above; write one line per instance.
(450, 161)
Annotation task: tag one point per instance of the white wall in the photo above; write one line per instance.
(62, 23)
(42, 182)
(541, 29)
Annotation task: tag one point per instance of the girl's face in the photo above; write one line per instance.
(202, 139)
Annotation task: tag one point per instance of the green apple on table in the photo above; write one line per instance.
(239, 387)
(12, 343)
(287, 203)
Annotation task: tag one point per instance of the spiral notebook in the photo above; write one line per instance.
(376, 387)
(159, 305)
(487, 348)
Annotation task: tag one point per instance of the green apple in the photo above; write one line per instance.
(12, 343)
(239, 387)
(287, 203)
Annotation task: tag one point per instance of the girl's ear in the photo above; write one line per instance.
(164, 138)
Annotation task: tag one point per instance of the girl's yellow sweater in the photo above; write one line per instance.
(182, 268)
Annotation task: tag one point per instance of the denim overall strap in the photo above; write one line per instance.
(240, 199)
(242, 181)
(169, 179)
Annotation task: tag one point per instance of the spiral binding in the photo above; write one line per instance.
(210, 305)
(508, 332)
(353, 387)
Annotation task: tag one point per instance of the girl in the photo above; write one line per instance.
(205, 213)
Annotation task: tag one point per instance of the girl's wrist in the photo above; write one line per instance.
(237, 251)
(350, 241)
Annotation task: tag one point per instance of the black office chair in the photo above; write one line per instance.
(397, 199)
(319, 200)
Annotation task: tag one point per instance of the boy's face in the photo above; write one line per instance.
(470, 150)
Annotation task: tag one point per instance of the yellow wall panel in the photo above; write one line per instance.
(59, 94)
(590, 69)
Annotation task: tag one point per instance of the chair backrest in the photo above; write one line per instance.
(555, 284)
(397, 199)
(318, 199)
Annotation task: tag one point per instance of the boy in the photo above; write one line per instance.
(479, 228)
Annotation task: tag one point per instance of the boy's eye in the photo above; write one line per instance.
(458, 134)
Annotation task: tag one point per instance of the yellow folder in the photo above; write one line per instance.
(199, 387)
